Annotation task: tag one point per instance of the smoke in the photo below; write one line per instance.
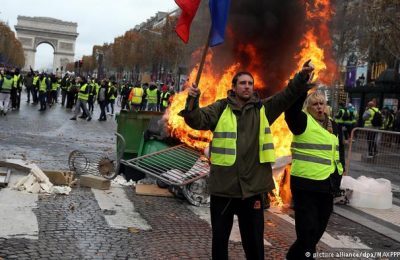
(274, 28)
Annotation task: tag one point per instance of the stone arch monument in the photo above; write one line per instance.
(33, 31)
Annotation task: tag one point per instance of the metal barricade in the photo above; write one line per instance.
(374, 153)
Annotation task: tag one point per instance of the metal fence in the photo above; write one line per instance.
(374, 153)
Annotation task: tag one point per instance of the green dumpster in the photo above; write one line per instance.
(139, 131)
(132, 125)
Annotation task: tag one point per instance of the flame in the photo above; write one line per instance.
(313, 45)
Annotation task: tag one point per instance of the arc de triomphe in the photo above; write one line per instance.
(33, 31)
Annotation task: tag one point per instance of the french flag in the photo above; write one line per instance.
(219, 17)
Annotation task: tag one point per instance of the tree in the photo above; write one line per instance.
(11, 51)
(383, 24)
(370, 28)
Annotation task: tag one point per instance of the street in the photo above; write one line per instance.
(118, 224)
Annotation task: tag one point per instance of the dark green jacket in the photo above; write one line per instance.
(247, 176)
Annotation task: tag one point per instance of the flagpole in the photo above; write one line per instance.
(201, 66)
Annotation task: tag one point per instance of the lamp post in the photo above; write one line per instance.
(99, 57)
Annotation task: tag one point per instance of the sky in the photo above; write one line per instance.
(99, 21)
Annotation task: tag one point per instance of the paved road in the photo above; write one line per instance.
(118, 224)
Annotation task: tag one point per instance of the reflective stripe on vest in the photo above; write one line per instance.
(7, 85)
(152, 96)
(81, 94)
(315, 153)
(137, 94)
(223, 147)
(372, 111)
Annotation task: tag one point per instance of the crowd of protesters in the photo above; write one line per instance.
(79, 94)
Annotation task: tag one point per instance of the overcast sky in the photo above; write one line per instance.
(99, 21)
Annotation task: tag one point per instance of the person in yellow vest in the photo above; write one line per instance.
(83, 96)
(53, 89)
(136, 97)
(164, 98)
(350, 121)
(112, 94)
(43, 87)
(92, 94)
(6, 84)
(368, 116)
(317, 168)
(241, 155)
(35, 87)
(64, 85)
(152, 96)
(16, 90)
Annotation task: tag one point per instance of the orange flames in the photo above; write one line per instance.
(315, 45)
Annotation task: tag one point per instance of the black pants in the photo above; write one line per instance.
(250, 213)
(312, 212)
(103, 116)
(63, 97)
(13, 97)
(42, 100)
(70, 100)
(371, 139)
(91, 103)
(347, 133)
(28, 93)
(35, 95)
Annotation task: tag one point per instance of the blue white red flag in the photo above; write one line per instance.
(219, 17)
(189, 9)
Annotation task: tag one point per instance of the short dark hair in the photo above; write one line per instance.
(240, 73)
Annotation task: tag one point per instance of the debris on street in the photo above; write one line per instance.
(60, 177)
(119, 180)
(4, 176)
(36, 181)
(95, 182)
(152, 190)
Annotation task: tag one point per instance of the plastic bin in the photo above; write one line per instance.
(132, 125)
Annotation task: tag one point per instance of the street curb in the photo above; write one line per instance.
(369, 221)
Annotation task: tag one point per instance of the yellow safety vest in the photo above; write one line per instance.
(315, 153)
(81, 94)
(54, 86)
(163, 98)
(112, 97)
(372, 111)
(43, 85)
(35, 80)
(223, 145)
(137, 94)
(152, 96)
(7, 85)
(340, 119)
(16, 78)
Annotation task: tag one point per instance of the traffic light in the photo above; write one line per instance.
(80, 63)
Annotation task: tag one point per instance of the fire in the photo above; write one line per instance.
(313, 46)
